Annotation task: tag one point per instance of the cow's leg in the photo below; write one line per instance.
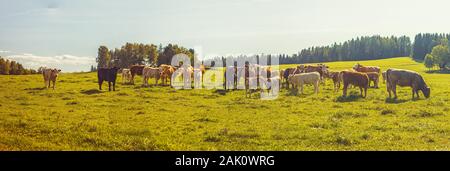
(301, 88)
(365, 92)
(361, 90)
(109, 85)
(54, 82)
(316, 87)
(345, 89)
(394, 90)
(100, 85)
(114, 85)
(388, 89)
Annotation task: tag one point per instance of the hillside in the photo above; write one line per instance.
(76, 116)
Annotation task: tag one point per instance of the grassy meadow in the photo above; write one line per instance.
(77, 116)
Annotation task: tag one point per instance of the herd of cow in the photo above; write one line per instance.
(256, 77)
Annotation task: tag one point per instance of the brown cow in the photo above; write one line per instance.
(136, 70)
(373, 77)
(360, 68)
(334, 75)
(404, 78)
(50, 75)
(286, 73)
(166, 72)
(357, 79)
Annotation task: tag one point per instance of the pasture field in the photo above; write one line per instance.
(77, 116)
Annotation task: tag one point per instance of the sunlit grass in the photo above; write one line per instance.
(77, 116)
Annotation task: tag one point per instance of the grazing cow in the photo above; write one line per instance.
(150, 72)
(357, 79)
(404, 78)
(136, 70)
(107, 74)
(50, 75)
(384, 76)
(166, 72)
(373, 77)
(335, 76)
(126, 76)
(360, 68)
(305, 78)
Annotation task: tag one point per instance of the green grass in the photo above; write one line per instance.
(76, 116)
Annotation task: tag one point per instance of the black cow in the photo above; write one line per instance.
(107, 74)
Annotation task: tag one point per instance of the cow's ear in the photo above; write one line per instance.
(59, 70)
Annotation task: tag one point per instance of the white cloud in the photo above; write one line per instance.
(65, 62)
(4, 51)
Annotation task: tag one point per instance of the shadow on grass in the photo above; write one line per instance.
(36, 89)
(438, 72)
(350, 98)
(91, 91)
(293, 92)
(395, 101)
(220, 91)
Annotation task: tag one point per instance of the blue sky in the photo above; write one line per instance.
(66, 34)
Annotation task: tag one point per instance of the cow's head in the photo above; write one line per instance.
(55, 72)
(357, 66)
(426, 91)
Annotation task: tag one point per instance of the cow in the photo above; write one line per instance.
(286, 73)
(360, 68)
(50, 75)
(107, 74)
(373, 77)
(305, 78)
(334, 75)
(404, 78)
(358, 79)
(126, 76)
(165, 72)
(150, 72)
(384, 76)
(136, 70)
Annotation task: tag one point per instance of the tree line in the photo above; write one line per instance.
(139, 54)
(10, 67)
(361, 48)
(433, 49)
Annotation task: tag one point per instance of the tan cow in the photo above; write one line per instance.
(305, 78)
(150, 72)
(50, 75)
(126, 76)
